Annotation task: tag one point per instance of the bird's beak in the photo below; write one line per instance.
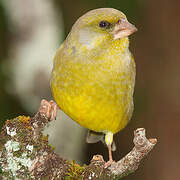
(123, 29)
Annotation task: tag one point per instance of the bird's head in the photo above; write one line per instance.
(100, 24)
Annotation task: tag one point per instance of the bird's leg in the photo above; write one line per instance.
(110, 153)
(107, 164)
(48, 108)
(109, 140)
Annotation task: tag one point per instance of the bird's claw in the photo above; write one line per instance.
(49, 108)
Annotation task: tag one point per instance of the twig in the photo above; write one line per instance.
(131, 161)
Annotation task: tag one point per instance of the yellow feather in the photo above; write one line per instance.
(93, 76)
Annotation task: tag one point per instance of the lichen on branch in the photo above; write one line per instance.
(26, 154)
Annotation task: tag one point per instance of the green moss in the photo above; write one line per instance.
(75, 171)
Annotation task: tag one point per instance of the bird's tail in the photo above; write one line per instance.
(94, 137)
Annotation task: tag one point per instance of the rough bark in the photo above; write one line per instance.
(26, 154)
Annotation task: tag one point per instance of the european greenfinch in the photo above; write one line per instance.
(93, 75)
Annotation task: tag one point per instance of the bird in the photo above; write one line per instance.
(93, 75)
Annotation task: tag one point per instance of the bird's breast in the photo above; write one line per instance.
(96, 91)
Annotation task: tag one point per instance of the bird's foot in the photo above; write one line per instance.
(109, 163)
(49, 108)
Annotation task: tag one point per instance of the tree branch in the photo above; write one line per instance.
(131, 161)
(26, 154)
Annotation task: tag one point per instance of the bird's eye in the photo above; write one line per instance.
(104, 24)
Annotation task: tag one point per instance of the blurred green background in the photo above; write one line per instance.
(31, 32)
